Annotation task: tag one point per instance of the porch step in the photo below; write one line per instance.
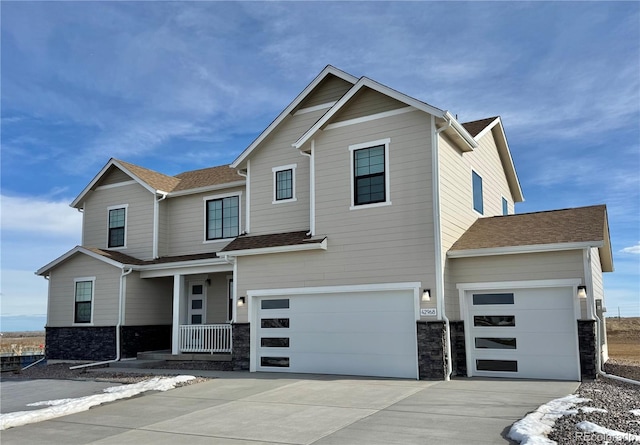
(167, 356)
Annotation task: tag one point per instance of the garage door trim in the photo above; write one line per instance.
(254, 295)
(465, 288)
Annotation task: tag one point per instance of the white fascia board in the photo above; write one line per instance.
(511, 250)
(487, 129)
(104, 169)
(279, 249)
(511, 168)
(335, 289)
(314, 83)
(78, 249)
(464, 134)
(182, 264)
(365, 82)
(185, 269)
(207, 189)
(524, 284)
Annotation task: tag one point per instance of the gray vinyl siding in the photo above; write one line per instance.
(217, 298)
(267, 217)
(139, 225)
(114, 176)
(456, 194)
(148, 301)
(596, 274)
(163, 228)
(62, 291)
(186, 222)
(367, 102)
(516, 267)
(388, 244)
(330, 89)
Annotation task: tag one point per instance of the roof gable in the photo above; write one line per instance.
(578, 227)
(328, 70)
(43, 271)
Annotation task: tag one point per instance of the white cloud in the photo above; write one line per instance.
(632, 249)
(39, 216)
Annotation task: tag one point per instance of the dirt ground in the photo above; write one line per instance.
(623, 335)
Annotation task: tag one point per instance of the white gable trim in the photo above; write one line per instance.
(314, 83)
(315, 108)
(72, 252)
(371, 117)
(101, 173)
(117, 184)
(510, 250)
(487, 129)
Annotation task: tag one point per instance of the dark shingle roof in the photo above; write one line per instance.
(126, 259)
(582, 224)
(475, 127)
(265, 241)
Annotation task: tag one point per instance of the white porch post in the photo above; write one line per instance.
(178, 281)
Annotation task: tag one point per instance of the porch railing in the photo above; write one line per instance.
(205, 338)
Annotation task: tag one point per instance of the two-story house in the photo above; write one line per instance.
(364, 232)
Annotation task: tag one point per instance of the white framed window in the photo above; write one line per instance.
(222, 216)
(229, 298)
(370, 174)
(505, 206)
(117, 226)
(284, 183)
(478, 203)
(84, 289)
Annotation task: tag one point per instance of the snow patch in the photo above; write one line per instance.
(635, 412)
(589, 409)
(590, 427)
(534, 427)
(64, 407)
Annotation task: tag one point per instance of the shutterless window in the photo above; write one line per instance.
(369, 175)
(482, 299)
(223, 218)
(497, 365)
(494, 320)
(495, 343)
(505, 207)
(117, 218)
(83, 300)
(284, 184)
(478, 204)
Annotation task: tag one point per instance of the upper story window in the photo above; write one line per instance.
(370, 173)
(505, 207)
(478, 204)
(83, 299)
(222, 217)
(117, 226)
(284, 183)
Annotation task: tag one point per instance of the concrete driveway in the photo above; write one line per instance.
(242, 408)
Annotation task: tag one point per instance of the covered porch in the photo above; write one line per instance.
(203, 308)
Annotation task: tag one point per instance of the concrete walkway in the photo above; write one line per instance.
(265, 408)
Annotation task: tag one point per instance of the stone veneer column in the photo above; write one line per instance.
(458, 351)
(241, 346)
(81, 343)
(588, 349)
(431, 350)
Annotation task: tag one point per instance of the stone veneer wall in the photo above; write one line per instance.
(80, 343)
(587, 348)
(458, 351)
(431, 350)
(241, 346)
(134, 339)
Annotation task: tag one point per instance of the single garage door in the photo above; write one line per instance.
(358, 333)
(522, 333)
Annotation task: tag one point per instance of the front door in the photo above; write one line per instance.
(197, 302)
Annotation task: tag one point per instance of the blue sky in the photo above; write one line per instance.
(181, 86)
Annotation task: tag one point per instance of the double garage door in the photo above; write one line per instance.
(358, 333)
(522, 333)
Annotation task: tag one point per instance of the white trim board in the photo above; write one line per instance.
(371, 117)
(532, 248)
(278, 249)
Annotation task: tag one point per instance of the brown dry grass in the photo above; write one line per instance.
(623, 336)
(12, 342)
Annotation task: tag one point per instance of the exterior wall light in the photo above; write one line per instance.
(582, 291)
(241, 301)
(426, 295)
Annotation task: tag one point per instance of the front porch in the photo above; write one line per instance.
(205, 338)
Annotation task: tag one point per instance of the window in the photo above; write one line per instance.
(274, 304)
(83, 299)
(478, 205)
(223, 217)
(497, 365)
(505, 207)
(117, 226)
(229, 299)
(479, 299)
(494, 320)
(370, 173)
(284, 183)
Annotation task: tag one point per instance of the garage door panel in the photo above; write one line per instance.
(545, 320)
(351, 364)
(352, 303)
(366, 321)
(389, 345)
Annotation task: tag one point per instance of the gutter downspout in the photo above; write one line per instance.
(125, 271)
(592, 304)
(312, 188)
(156, 221)
(440, 305)
(247, 186)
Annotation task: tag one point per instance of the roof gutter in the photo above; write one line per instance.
(435, 177)
(464, 134)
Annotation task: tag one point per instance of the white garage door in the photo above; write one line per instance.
(358, 333)
(522, 333)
